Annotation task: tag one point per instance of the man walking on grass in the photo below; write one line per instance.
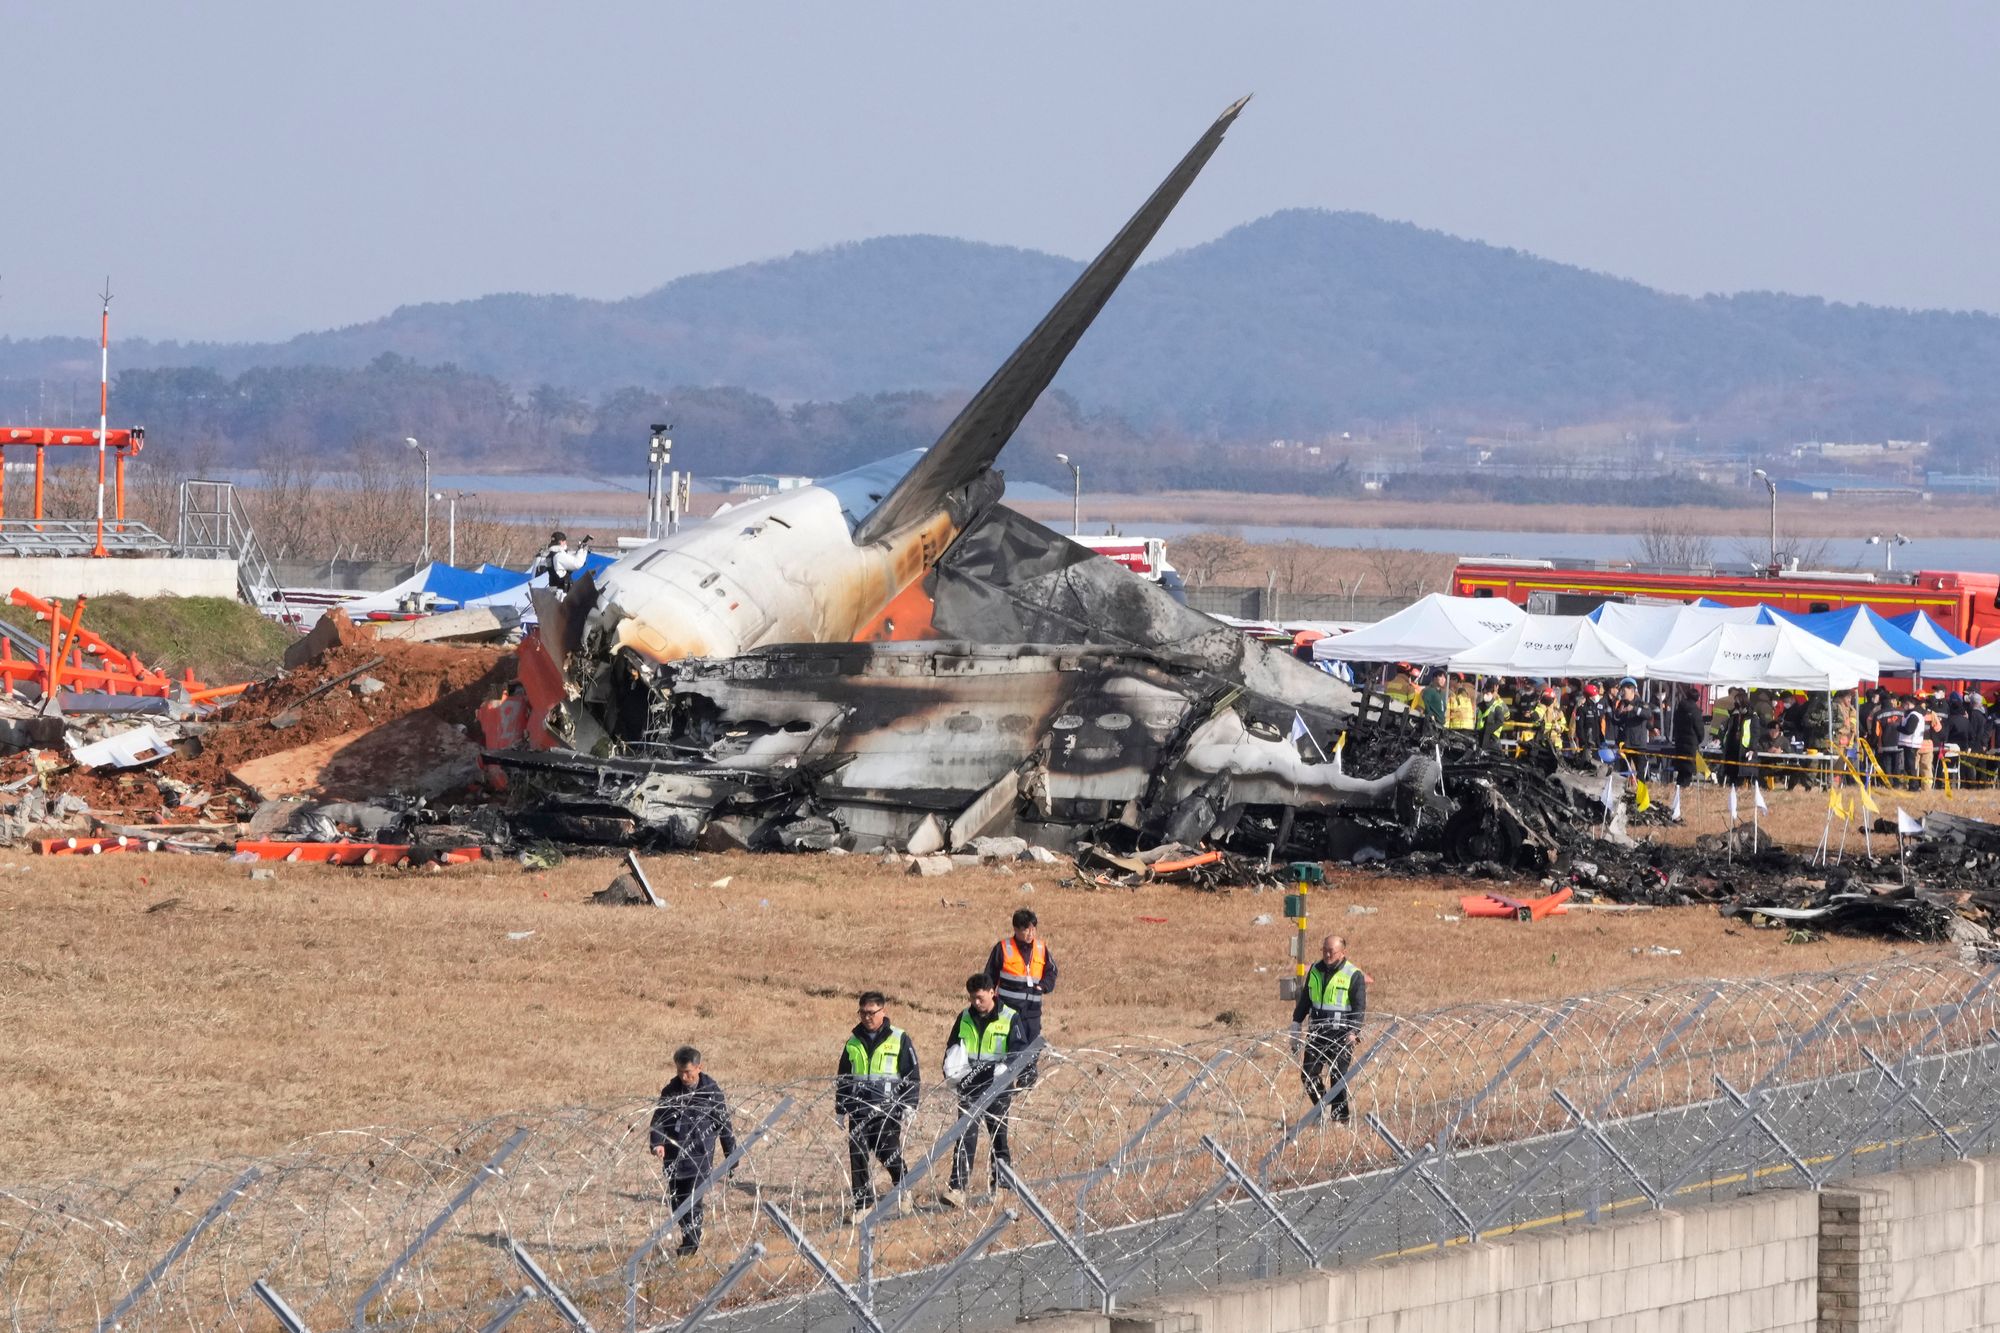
(1023, 971)
(691, 1115)
(1328, 1014)
(875, 1089)
(986, 1035)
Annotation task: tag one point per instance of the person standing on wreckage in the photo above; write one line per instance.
(1329, 1012)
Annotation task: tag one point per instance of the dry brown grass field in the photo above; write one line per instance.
(162, 1008)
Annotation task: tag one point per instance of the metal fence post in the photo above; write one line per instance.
(1596, 1137)
(396, 1266)
(990, 1233)
(276, 1305)
(1116, 1162)
(1063, 1238)
(1430, 1182)
(820, 1265)
(1354, 1218)
(1257, 1194)
(505, 1314)
(554, 1294)
(737, 1272)
(1798, 1048)
(1753, 1107)
(700, 1191)
(180, 1247)
(1016, 1062)
(1548, 1029)
(1604, 1144)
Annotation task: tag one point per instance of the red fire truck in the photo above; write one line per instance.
(1967, 605)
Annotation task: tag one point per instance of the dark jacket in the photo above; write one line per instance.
(851, 1094)
(1357, 995)
(981, 1075)
(1687, 727)
(1588, 725)
(1628, 723)
(687, 1122)
(1033, 1007)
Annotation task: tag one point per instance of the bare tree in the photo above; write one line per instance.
(1794, 551)
(1400, 573)
(1297, 566)
(1202, 557)
(1678, 544)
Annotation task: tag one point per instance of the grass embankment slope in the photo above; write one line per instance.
(221, 640)
(248, 1014)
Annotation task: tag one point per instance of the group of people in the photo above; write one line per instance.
(1910, 735)
(878, 1077)
(877, 1081)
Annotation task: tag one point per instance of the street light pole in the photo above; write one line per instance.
(1765, 477)
(411, 440)
(1076, 494)
(1889, 545)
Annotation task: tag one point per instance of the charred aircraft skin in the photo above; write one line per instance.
(1050, 742)
(753, 681)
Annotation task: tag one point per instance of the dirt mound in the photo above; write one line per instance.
(447, 683)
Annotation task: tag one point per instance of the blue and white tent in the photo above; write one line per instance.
(1923, 627)
(1863, 630)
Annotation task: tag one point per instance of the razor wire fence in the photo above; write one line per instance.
(1139, 1169)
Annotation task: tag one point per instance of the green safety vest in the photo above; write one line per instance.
(990, 1046)
(880, 1066)
(1327, 993)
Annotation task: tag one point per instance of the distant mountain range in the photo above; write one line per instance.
(1298, 324)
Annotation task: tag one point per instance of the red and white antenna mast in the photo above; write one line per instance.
(103, 408)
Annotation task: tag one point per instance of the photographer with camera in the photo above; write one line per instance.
(559, 562)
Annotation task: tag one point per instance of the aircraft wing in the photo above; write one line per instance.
(972, 441)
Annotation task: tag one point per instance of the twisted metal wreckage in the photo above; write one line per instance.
(893, 658)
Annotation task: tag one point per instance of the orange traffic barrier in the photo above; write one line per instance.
(352, 853)
(1499, 907)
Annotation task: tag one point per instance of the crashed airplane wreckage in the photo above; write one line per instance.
(892, 658)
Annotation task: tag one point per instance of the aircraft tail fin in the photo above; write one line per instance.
(975, 437)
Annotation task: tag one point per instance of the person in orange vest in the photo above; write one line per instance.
(1023, 971)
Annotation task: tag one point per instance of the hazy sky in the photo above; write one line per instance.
(256, 170)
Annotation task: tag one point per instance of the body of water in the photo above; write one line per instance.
(1941, 553)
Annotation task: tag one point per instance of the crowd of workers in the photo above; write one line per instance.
(878, 1077)
(1915, 738)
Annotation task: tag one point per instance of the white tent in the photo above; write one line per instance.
(1551, 646)
(1979, 664)
(1775, 657)
(1427, 632)
(1660, 630)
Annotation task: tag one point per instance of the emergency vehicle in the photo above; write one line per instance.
(1964, 604)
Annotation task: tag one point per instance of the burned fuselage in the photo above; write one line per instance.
(935, 743)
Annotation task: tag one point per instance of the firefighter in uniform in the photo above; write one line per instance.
(985, 1032)
(1329, 1011)
(1023, 971)
(875, 1089)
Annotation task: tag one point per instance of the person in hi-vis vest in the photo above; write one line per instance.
(980, 1043)
(875, 1089)
(1329, 1011)
(1023, 971)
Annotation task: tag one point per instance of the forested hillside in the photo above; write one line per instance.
(1301, 325)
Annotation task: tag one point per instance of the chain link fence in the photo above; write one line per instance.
(1143, 1169)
